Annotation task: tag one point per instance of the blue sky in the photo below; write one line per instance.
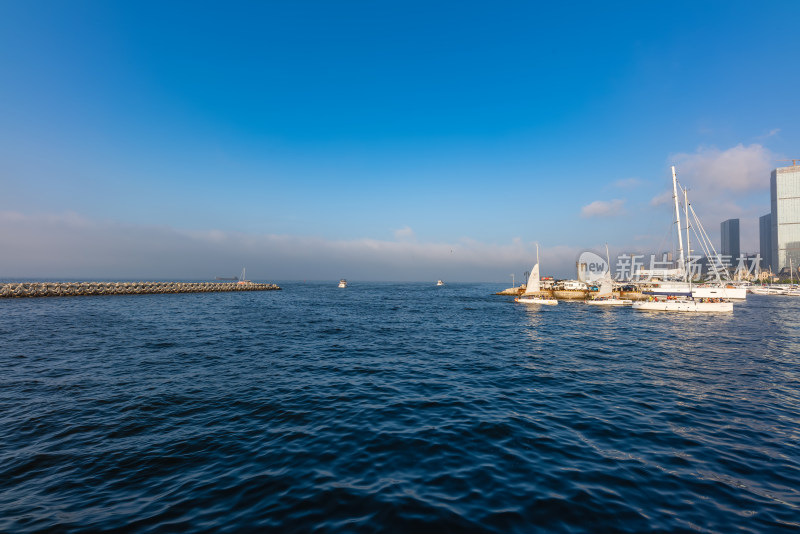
(380, 140)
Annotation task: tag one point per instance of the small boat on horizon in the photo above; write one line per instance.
(342, 283)
(242, 279)
(439, 283)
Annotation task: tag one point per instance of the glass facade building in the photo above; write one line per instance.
(729, 232)
(765, 240)
(784, 188)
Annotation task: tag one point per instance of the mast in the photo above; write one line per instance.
(688, 247)
(678, 219)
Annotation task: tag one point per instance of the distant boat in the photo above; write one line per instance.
(342, 283)
(605, 295)
(439, 283)
(242, 279)
(532, 290)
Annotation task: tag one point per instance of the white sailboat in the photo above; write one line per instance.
(696, 302)
(684, 288)
(605, 295)
(532, 290)
(793, 290)
(243, 279)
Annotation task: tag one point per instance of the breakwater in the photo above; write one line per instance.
(75, 289)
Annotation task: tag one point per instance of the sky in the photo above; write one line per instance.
(381, 140)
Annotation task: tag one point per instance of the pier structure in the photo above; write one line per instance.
(74, 289)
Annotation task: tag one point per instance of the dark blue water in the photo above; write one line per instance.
(395, 407)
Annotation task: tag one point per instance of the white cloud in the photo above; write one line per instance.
(603, 208)
(661, 198)
(627, 183)
(739, 169)
(725, 184)
(405, 233)
(771, 133)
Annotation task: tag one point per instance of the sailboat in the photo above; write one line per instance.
(693, 303)
(793, 290)
(605, 296)
(685, 288)
(532, 290)
(242, 279)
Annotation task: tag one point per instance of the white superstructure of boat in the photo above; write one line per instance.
(533, 288)
(791, 290)
(439, 283)
(342, 283)
(717, 291)
(765, 290)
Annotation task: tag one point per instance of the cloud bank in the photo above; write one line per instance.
(60, 246)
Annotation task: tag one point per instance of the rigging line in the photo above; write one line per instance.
(706, 242)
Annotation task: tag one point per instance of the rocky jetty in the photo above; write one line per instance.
(74, 289)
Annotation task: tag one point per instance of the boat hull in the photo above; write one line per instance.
(684, 306)
(610, 302)
(536, 300)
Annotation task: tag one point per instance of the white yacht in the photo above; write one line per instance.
(342, 283)
(712, 298)
(684, 304)
(533, 289)
(439, 283)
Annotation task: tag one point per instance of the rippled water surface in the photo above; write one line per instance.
(395, 407)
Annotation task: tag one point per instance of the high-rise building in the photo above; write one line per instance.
(729, 232)
(784, 188)
(765, 240)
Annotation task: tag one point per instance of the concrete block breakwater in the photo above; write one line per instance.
(74, 289)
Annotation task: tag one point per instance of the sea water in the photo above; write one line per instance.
(395, 407)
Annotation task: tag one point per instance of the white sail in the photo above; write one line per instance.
(533, 281)
(606, 286)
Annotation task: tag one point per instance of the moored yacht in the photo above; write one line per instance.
(681, 296)
(684, 304)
